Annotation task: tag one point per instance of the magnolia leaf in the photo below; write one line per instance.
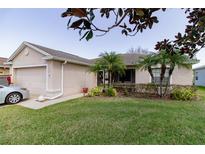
(120, 12)
(77, 23)
(124, 32)
(79, 12)
(87, 24)
(89, 36)
(68, 24)
(86, 33)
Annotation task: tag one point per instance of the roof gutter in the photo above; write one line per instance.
(64, 59)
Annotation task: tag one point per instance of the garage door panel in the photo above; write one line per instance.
(34, 79)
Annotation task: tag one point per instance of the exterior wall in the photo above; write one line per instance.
(28, 57)
(142, 77)
(4, 71)
(201, 77)
(54, 76)
(26, 68)
(76, 77)
(182, 76)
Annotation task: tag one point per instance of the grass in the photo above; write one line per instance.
(201, 92)
(106, 121)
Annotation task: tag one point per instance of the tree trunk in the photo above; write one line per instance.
(160, 89)
(168, 81)
(109, 79)
(104, 79)
(163, 70)
(151, 74)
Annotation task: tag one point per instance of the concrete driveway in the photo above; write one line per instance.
(33, 104)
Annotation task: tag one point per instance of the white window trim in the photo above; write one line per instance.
(30, 66)
(150, 78)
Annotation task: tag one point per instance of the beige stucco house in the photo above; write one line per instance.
(50, 72)
(180, 76)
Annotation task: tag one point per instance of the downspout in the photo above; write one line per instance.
(43, 98)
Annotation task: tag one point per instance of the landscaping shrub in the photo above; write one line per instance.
(112, 92)
(183, 93)
(138, 90)
(97, 91)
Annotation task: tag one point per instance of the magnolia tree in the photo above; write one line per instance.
(130, 21)
(134, 20)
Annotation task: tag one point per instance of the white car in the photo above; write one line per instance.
(12, 94)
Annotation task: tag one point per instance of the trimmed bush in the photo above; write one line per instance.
(97, 91)
(183, 93)
(112, 92)
(138, 90)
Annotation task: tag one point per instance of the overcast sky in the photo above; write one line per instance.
(47, 28)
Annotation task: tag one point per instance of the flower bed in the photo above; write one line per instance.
(147, 90)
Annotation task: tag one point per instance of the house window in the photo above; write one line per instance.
(196, 76)
(156, 73)
(128, 77)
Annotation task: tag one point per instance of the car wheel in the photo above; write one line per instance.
(13, 98)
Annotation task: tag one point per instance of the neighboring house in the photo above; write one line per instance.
(49, 72)
(199, 76)
(4, 70)
(180, 76)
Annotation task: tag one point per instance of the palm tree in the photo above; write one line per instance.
(99, 67)
(167, 61)
(145, 63)
(177, 59)
(111, 63)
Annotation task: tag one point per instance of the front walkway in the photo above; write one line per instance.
(32, 104)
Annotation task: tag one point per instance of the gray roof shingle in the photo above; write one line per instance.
(128, 58)
(131, 58)
(200, 67)
(61, 54)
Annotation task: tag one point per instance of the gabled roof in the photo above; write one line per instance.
(51, 54)
(129, 59)
(61, 54)
(200, 67)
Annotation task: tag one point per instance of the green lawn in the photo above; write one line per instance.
(106, 121)
(201, 92)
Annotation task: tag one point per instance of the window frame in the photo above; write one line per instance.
(170, 81)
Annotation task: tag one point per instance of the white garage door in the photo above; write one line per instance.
(34, 79)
